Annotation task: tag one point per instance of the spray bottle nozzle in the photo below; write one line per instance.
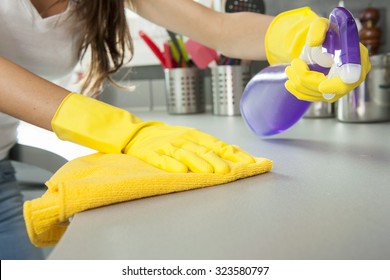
(342, 41)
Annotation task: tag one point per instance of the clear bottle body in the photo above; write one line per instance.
(267, 107)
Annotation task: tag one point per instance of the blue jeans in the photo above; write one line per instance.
(14, 241)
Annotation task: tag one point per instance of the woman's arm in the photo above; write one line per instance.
(239, 35)
(108, 129)
(28, 97)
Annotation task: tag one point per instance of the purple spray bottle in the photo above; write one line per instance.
(268, 108)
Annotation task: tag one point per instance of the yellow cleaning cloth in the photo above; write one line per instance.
(102, 179)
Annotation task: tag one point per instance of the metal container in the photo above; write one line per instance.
(369, 102)
(184, 91)
(228, 84)
(320, 110)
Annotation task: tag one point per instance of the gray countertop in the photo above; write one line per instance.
(327, 197)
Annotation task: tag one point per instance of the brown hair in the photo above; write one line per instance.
(107, 38)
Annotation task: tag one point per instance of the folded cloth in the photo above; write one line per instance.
(102, 179)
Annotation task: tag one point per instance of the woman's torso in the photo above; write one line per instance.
(47, 47)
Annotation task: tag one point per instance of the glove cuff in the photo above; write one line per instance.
(95, 124)
(286, 35)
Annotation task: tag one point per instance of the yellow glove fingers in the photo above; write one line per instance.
(300, 74)
(301, 96)
(194, 162)
(186, 156)
(306, 89)
(223, 150)
(302, 82)
(219, 165)
(317, 32)
(191, 146)
(163, 162)
(185, 149)
(235, 154)
(336, 86)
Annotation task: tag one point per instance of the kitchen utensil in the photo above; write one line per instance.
(266, 105)
(167, 56)
(183, 49)
(228, 83)
(370, 102)
(155, 49)
(256, 6)
(177, 52)
(184, 90)
(201, 55)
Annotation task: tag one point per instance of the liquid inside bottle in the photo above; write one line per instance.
(267, 107)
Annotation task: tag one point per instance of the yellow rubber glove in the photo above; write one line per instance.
(312, 86)
(177, 149)
(288, 34)
(108, 129)
(299, 34)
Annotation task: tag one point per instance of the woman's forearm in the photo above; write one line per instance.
(239, 35)
(28, 97)
(243, 35)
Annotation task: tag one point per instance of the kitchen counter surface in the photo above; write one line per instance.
(327, 197)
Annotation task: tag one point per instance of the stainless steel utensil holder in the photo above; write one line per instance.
(320, 110)
(184, 90)
(228, 83)
(370, 101)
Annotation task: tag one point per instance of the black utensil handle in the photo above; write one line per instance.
(172, 35)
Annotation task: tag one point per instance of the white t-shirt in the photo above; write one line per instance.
(45, 46)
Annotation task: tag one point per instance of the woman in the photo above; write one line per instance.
(43, 40)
